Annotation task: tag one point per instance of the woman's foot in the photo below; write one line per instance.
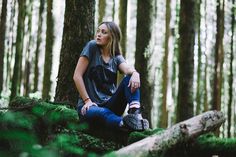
(134, 122)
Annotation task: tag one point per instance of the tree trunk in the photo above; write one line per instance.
(158, 144)
(199, 64)
(2, 40)
(165, 77)
(219, 56)
(123, 27)
(76, 34)
(113, 10)
(123, 24)
(143, 54)
(186, 61)
(206, 64)
(174, 77)
(39, 40)
(48, 53)
(26, 76)
(19, 50)
(101, 10)
(10, 45)
(231, 75)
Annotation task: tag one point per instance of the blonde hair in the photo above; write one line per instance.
(115, 34)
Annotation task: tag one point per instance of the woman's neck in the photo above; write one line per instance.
(106, 56)
(105, 52)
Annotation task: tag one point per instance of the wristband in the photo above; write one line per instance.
(86, 100)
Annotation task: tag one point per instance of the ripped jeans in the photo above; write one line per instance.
(110, 113)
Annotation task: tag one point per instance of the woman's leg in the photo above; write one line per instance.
(102, 115)
(123, 95)
(117, 103)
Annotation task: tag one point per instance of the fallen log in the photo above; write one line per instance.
(55, 116)
(158, 144)
(54, 127)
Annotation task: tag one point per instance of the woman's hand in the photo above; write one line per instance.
(87, 106)
(134, 82)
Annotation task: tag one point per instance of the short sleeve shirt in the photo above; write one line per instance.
(100, 78)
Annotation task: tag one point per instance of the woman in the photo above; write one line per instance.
(95, 78)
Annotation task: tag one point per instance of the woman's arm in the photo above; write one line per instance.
(78, 77)
(134, 81)
(126, 69)
(79, 82)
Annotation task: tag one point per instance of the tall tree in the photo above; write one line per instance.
(123, 24)
(76, 34)
(165, 78)
(101, 10)
(231, 74)
(199, 64)
(186, 62)
(2, 40)
(19, 50)
(38, 42)
(26, 76)
(123, 27)
(143, 54)
(10, 44)
(113, 10)
(206, 64)
(48, 53)
(219, 56)
(174, 77)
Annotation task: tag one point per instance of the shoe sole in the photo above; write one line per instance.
(134, 123)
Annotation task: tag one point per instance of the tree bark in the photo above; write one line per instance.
(231, 73)
(205, 103)
(76, 34)
(27, 69)
(39, 40)
(186, 60)
(2, 40)
(19, 50)
(219, 56)
(158, 144)
(143, 54)
(165, 69)
(48, 53)
(123, 26)
(199, 64)
(101, 10)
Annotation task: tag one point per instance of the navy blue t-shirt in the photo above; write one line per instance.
(100, 78)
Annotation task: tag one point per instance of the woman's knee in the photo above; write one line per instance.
(126, 80)
(93, 112)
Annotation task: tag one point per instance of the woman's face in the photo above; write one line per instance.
(102, 35)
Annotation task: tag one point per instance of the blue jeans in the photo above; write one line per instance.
(110, 113)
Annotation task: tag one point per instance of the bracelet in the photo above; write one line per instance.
(86, 100)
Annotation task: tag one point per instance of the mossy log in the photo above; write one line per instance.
(48, 124)
(58, 116)
(158, 144)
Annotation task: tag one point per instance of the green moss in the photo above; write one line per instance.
(17, 119)
(211, 143)
(136, 136)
